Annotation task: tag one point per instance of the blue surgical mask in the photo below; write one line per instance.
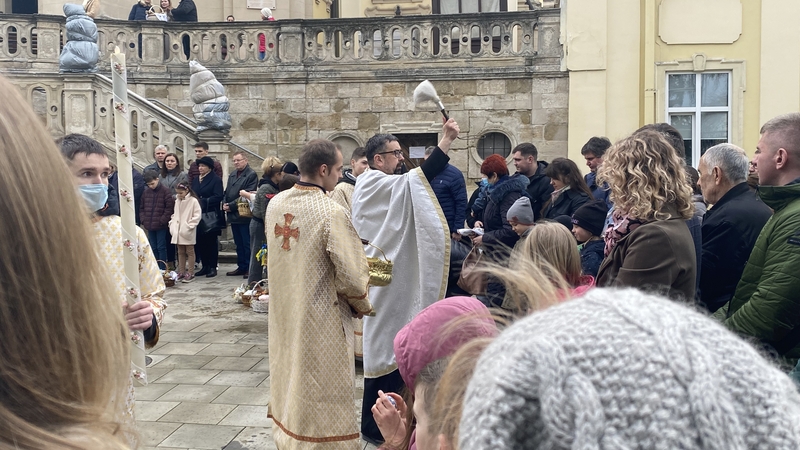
(95, 196)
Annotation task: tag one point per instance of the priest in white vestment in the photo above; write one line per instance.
(400, 215)
(318, 283)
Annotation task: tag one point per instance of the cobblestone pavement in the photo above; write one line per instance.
(209, 378)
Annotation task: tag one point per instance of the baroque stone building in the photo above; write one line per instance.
(498, 74)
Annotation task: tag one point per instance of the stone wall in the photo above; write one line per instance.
(277, 119)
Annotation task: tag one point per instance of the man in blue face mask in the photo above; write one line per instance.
(88, 163)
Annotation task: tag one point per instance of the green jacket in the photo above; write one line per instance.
(766, 304)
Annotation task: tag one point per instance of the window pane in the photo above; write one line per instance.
(714, 125)
(491, 143)
(714, 130)
(490, 5)
(715, 89)
(449, 6)
(683, 123)
(682, 90)
(469, 6)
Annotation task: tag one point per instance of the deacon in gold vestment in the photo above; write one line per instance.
(318, 282)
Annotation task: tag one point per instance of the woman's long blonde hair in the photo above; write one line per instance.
(646, 175)
(553, 249)
(64, 364)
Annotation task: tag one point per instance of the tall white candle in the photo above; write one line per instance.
(122, 127)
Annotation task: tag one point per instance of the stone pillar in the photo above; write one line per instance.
(218, 149)
(48, 31)
(153, 44)
(290, 48)
(78, 108)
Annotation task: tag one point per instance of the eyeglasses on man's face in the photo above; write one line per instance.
(397, 153)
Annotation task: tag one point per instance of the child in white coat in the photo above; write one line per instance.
(183, 227)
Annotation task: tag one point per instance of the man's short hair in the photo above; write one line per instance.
(316, 153)
(202, 145)
(150, 175)
(730, 159)
(241, 153)
(785, 130)
(597, 146)
(358, 153)
(526, 149)
(377, 144)
(670, 133)
(73, 144)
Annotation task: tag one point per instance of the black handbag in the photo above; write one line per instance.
(211, 221)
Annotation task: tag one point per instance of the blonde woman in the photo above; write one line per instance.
(64, 360)
(267, 188)
(551, 248)
(648, 245)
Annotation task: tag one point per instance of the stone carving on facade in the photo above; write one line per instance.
(210, 103)
(80, 53)
(328, 4)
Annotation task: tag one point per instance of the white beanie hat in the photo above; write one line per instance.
(266, 12)
(620, 369)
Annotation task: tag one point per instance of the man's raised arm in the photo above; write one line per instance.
(436, 163)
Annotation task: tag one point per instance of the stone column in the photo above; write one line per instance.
(48, 30)
(79, 113)
(290, 48)
(218, 149)
(153, 45)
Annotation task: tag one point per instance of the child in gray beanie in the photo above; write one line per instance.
(620, 369)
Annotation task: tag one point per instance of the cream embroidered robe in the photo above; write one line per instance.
(343, 195)
(318, 272)
(108, 235)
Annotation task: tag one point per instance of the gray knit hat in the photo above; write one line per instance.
(619, 369)
(521, 212)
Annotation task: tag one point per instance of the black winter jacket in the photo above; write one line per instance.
(497, 231)
(247, 181)
(157, 207)
(209, 192)
(730, 230)
(592, 255)
(451, 191)
(539, 190)
(566, 204)
(139, 11)
(185, 12)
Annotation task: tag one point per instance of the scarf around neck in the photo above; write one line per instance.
(621, 226)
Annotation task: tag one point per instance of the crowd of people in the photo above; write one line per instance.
(613, 314)
(611, 308)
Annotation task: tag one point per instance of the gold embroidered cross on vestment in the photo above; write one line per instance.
(286, 231)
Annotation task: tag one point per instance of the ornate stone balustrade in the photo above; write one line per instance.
(83, 104)
(524, 39)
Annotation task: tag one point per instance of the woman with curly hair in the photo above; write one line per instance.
(648, 245)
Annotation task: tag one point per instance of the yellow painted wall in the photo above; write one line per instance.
(748, 48)
(614, 51)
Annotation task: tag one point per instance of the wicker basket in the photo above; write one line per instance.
(252, 293)
(244, 208)
(168, 281)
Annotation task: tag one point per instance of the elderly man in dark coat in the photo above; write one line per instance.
(731, 227)
(241, 179)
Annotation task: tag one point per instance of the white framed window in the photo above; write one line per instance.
(699, 106)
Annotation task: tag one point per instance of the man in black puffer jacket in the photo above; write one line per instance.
(451, 192)
(539, 188)
(139, 10)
